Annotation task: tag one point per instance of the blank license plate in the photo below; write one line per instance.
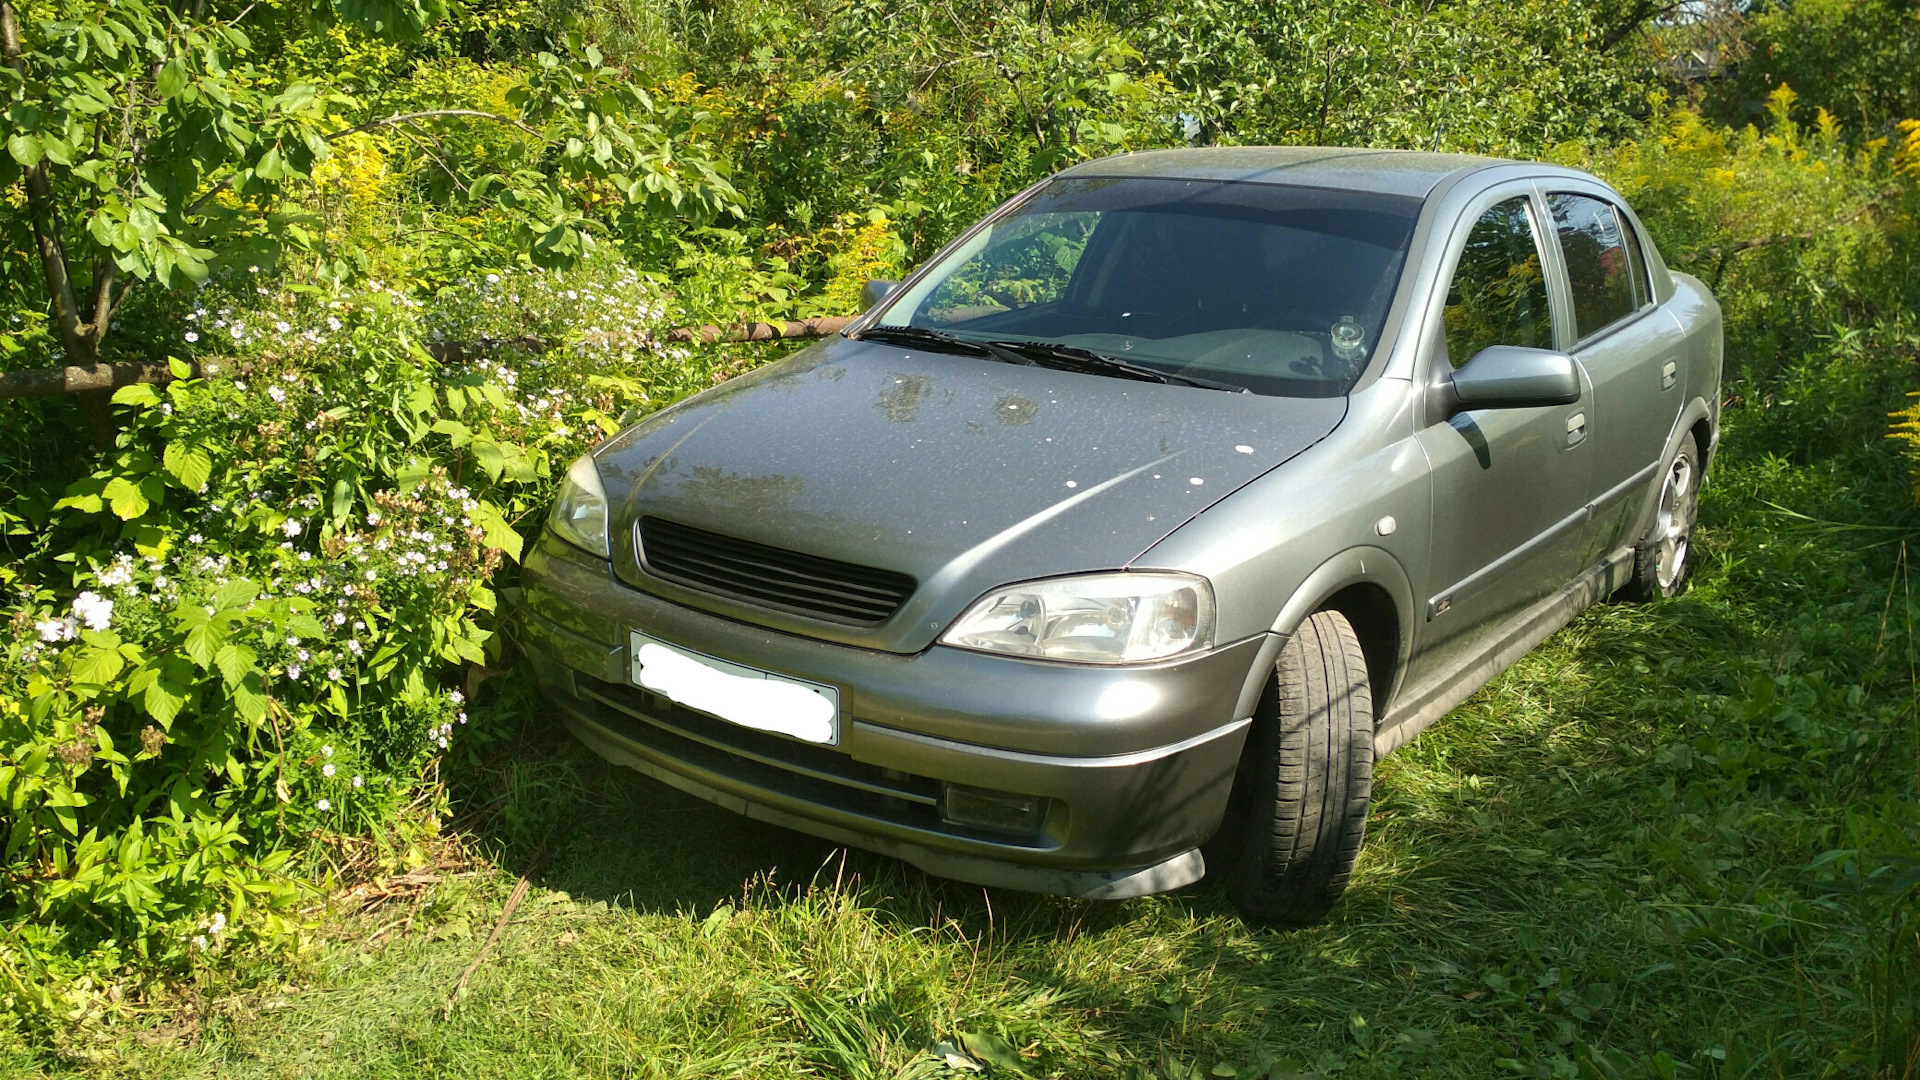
(736, 693)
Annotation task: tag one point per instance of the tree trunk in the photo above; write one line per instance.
(79, 342)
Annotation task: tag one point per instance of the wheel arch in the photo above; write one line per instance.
(1698, 420)
(1369, 586)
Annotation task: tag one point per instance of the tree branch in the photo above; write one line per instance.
(1642, 12)
(1721, 252)
(432, 114)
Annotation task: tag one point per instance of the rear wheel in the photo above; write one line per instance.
(1660, 561)
(1299, 805)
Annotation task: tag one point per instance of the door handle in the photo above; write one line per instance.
(1669, 374)
(1577, 428)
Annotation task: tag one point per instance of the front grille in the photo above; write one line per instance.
(769, 576)
(818, 774)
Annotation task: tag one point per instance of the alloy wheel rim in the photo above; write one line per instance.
(1674, 525)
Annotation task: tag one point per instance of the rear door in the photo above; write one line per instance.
(1629, 349)
(1509, 485)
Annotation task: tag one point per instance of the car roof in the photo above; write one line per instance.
(1413, 173)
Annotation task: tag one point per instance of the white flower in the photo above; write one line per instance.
(219, 923)
(371, 576)
(276, 393)
(55, 630)
(456, 696)
(442, 741)
(463, 718)
(118, 574)
(333, 673)
(353, 647)
(327, 770)
(282, 326)
(293, 643)
(199, 941)
(94, 610)
(194, 538)
(356, 781)
(305, 656)
(373, 517)
(192, 336)
(326, 750)
(323, 805)
(293, 672)
(333, 323)
(339, 619)
(291, 527)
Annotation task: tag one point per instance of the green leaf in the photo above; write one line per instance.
(163, 701)
(342, 500)
(189, 464)
(172, 79)
(126, 498)
(491, 458)
(250, 697)
(995, 1051)
(204, 638)
(271, 165)
(137, 394)
(495, 530)
(24, 149)
(412, 474)
(98, 665)
(458, 432)
(236, 593)
(234, 662)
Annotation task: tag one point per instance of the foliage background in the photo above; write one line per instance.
(403, 332)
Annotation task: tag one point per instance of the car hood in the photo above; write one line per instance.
(963, 473)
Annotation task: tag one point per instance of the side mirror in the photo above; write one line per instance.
(1512, 377)
(875, 291)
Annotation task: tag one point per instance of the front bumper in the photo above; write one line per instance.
(1135, 763)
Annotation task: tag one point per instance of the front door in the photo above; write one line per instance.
(1509, 485)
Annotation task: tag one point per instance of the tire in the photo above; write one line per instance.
(1660, 562)
(1299, 806)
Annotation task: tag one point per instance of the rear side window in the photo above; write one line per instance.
(1499, 293)
(1605, 278)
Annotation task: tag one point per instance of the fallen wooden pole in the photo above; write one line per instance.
(46, 382)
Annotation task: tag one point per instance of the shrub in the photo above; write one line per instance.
(243, 633)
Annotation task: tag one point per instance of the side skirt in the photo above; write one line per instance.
(1418, 707)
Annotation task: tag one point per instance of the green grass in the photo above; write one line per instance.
(1666, 844)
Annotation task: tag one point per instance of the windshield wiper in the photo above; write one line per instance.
(920, 335)
(1074, 356)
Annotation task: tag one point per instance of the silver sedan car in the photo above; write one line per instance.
(1117, 543)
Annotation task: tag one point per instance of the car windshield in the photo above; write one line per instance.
(1280, 290)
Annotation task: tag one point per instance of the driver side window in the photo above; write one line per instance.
(1499, 291)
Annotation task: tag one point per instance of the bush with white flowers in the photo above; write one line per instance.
(248, 629)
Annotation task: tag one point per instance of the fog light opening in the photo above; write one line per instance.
(1000, 811)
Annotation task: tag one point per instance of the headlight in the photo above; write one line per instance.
(580, 513)
(1092, 619)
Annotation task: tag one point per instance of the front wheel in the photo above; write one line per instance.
(1660, 562)
(1299, 806)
